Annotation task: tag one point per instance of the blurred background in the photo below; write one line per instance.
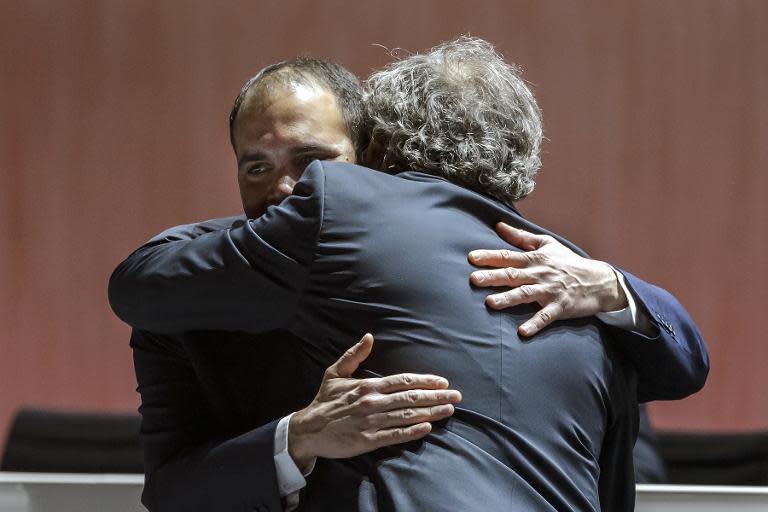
(113, 126)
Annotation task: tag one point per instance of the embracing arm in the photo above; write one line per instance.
(666, 347)
(673, 362)
(192, 465)
(249, 277)
(178, 282)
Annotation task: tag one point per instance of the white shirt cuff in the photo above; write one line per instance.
(290, 479)
(627, 318)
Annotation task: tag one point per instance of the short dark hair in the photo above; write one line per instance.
(338, 80)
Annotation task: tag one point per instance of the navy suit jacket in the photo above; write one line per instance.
(209, 405)
(548, 422)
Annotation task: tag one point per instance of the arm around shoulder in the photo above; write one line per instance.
(249, 277)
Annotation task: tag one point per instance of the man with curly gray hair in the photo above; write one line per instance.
(459, 112)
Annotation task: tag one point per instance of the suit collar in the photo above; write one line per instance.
(422, 176)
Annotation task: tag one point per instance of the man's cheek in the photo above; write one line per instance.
(254, 202)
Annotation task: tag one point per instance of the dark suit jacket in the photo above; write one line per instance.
(354, 250)
(209, 405)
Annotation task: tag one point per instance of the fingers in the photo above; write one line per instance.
(408, 399)
(410, 416)
(406, 381)
(527, 242)
(541, 319)
(550, 311)
(526, 294)
(398, 435)
(509, 276)
(499, 258)
(346, 365)
(520, 238)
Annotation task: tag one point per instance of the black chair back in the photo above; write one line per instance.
(73, 442)
(715, 459)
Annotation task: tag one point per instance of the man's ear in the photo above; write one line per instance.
(373, 155)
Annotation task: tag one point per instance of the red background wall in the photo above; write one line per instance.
(113, 127)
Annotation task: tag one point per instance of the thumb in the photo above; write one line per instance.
(519, 237)
(346, 365)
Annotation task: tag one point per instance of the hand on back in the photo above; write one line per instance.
(352, 416)
(546, 272)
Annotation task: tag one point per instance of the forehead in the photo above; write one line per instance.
(289, 113)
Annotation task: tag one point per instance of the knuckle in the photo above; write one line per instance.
(367, 403)
(412, 396)
(407, 379)
(503, 299)
(526, 291)
(348, 398)
(353, 395)
(511, 273)
(506, 255)
(364, 387)
(408, 414)
(545, 316)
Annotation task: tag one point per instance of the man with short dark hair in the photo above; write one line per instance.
(211, 400)
(261, 153)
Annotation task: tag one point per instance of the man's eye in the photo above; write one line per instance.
(257, 170)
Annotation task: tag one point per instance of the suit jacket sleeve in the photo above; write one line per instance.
(674, 363)
(249, 277)
(670, 365)
(188, 464)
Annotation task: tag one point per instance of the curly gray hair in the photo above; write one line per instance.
(461, 112)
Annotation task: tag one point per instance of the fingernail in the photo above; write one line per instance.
(454, 395)
(475, 254)
(445, 409)
(479, 277)
(525, 330)
(441, 382)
